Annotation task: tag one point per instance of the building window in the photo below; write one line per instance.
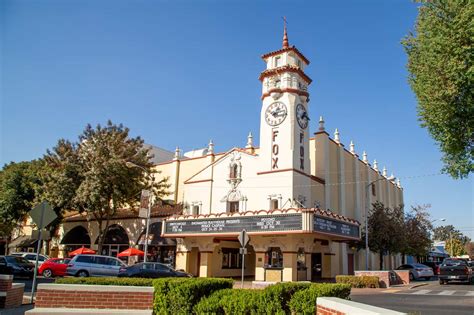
(373, 190)
(274, 204)
(278, 83)
(233, 171)
(277, 61)
(195, 210)
(231, 258)
(232, 206)
(298, 62)
(274, 258)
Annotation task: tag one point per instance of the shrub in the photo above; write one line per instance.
(359, 281)
(107, 281)
(304, 301)
(272, 300)
(231, 301)
(179, 295)
(276, 298)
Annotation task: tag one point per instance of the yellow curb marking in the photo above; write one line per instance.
(391, 291)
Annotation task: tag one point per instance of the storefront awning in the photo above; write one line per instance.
(154, 236)
(22, 241)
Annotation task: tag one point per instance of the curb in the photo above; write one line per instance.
(418, 285)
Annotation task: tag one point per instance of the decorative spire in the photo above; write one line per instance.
(376, 165)
(321, 123)
(336, 136)
(210, 149)
(177, 152)
(398, 183)
(393, 178)
(249, 141)
(285, 35)
(364, 158)
(384, 171)
(352, 147)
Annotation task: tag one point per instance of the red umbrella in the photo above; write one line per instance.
(131, 252)
(82, 250)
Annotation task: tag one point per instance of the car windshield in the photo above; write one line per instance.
(453, 262)
(421, 266)
(16, 260)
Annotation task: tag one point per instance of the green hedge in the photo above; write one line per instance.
(304, 301)
(282, 298)
(107, 281)
(231, 301)
(275, 298)
(180, 295)
(359, 281)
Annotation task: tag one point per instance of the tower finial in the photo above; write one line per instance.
(285, 35)
(364, 158)
(210, 147)
(321, 123)
(249, 141)
(352, 147)
(336, 136)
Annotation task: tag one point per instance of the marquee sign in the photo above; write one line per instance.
(335, 227)
(261, 223)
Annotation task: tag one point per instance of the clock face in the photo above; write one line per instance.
(302, 116)
(275, 113)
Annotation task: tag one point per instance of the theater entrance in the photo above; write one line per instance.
(316, 267)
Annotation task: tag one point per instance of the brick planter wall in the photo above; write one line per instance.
(403, 276)
(94, 297)
(11, 294)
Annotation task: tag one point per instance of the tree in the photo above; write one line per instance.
(455, 248)
(386, 230)
(18, 193)
(91, 176)
(417, 241)
(447, 232)
(442, 75)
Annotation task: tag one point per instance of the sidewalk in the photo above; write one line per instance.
(17, 310)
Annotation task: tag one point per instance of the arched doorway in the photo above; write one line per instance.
(160, 249)
(116, 240)
(76, 238)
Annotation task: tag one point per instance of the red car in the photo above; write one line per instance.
(54, 267)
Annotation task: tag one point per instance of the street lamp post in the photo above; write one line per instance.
(367, 250)
(130, 165)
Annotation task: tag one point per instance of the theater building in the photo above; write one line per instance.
(301, 195)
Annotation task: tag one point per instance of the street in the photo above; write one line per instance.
(428, 298)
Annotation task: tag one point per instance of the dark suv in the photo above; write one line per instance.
(94, 266)
(16, 266)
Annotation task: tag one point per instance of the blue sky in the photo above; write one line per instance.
(179, 73)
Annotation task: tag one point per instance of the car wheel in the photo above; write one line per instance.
(441, 282)
(47, 273)
(82, 274)
(411, 276)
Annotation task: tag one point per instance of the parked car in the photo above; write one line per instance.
(454, 269)
(151, 270)
(16, 266)
(433, 265)
(31, 257)
(94, 266)
(54, 267)
(418, 271)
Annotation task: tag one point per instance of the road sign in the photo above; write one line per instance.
(243, 238)
(43, 214)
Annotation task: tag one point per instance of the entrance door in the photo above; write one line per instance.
(316, 267)
(350, 264)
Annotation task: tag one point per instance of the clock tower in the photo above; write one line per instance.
(284, 122)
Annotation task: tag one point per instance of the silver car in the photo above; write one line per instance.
(94, 266)
(418, 271)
